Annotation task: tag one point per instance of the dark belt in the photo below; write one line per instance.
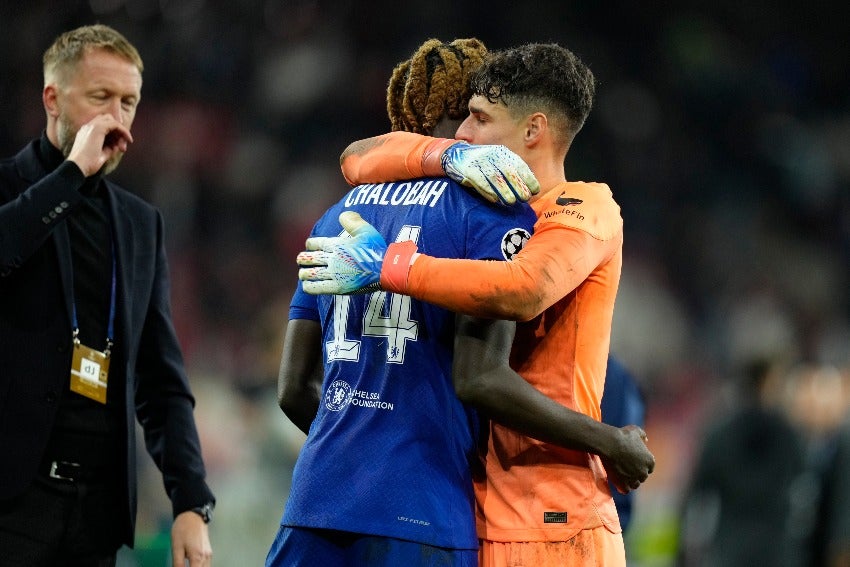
(73, 472)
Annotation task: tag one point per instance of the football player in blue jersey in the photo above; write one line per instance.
(384, 476)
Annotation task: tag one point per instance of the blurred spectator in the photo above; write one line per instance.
(819, 398)
(739, 507)
(835, 509)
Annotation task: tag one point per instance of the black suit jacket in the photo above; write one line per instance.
(35, 332)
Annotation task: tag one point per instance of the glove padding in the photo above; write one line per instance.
(342, 265)
(495, 172)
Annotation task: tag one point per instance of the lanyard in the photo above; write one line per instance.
(110, 328)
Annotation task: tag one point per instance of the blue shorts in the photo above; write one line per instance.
(306, 547)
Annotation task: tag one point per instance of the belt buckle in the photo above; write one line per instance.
(54, 466)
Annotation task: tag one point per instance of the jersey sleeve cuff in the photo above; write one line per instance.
(432, 157)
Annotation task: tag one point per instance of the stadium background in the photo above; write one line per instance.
(724, 133)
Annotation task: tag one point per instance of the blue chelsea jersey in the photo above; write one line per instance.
(389, 451)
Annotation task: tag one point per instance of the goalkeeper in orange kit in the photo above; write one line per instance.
(538, 503)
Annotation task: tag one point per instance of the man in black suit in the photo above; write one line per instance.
(86, 337)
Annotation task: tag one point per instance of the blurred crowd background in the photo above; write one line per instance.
(724, 133)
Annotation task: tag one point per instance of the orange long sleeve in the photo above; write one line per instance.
(564, 250)
(393, 157)
(552, 264)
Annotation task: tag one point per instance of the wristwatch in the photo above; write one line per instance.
(205, 511)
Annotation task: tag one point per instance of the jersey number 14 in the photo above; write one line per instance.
(387, 315)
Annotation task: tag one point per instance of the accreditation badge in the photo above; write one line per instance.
(89, 370)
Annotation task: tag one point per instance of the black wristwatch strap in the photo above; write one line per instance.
(205, 511)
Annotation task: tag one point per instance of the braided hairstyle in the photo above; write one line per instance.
(432, 84)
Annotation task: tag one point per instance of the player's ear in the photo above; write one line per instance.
(535, 126)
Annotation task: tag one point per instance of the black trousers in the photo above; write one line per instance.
(59, 523)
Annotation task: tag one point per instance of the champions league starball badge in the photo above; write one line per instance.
(513, 241)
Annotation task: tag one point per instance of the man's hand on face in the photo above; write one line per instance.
(97, 141)
(495, 172)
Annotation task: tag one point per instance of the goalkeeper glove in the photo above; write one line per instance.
(354, 263)
(494, 171)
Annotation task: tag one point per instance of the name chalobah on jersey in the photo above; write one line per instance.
(422, 192)
(340, 394)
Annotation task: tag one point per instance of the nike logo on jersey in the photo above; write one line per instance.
(566, 201)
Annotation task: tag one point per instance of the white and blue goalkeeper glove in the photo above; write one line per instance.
(495, 172)
(344, 265)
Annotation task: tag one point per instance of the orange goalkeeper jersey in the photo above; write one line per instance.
(563, 285)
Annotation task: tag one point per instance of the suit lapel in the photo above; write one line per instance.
(122, 238)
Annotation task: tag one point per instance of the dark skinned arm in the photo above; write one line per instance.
(484, 379)
(299, 383)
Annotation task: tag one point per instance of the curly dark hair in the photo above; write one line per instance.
(539, 76)
(432, 84)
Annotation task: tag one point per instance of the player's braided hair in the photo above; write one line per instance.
(432, 84)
